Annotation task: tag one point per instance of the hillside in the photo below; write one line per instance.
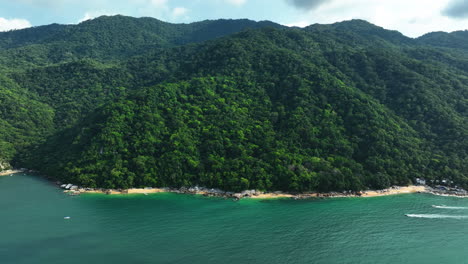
(108, 39)
(234, 104)
(454, 40)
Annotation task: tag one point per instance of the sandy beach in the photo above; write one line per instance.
(272, 196)
(370, 193)
(9, 172)
(129, 191)
(143, 191)
(395, 190)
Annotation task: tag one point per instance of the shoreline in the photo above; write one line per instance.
(256, 194)
(10, 172)
(395, 190)
(252, 194)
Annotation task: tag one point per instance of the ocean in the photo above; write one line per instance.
(41, 224)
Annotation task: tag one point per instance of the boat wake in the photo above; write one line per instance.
(450, 207)
(437, 216)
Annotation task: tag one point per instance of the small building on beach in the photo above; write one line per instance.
(420, 181)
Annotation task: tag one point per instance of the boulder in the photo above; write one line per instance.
(4, 165)
(248, 193)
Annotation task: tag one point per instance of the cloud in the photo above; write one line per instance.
(158, 3)
(94, 14)
(403, 15)
(236, 2)
(456, 9)
(179, 11)
(301, 24)
(39, 2)
(15, 23)
(307, 5)
(45, 3)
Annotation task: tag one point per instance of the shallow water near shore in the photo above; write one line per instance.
(174, 228)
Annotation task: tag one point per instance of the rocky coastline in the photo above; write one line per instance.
(254, 194)
(446, 191)
(440, 190)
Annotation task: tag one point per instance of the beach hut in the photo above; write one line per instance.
(420, 181)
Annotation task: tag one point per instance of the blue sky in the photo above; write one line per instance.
(411, 17)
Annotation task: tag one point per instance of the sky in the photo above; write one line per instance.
(411, 17)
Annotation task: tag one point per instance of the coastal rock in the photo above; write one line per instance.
(4, 165)
(447, 191)
(248, 193)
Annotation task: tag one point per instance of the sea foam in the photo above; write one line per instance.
(437, 216)
(450, 207)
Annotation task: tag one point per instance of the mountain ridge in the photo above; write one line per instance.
(337, 107)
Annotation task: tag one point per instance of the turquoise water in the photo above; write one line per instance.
(172, 228)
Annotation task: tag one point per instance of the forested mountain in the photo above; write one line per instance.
(108, 39)
(455, 40)
(118, 102)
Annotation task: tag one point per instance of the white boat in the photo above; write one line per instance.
(67, 217)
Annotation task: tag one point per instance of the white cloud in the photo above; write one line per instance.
(15, 23)
(236, 2)
(44, 2)
(154, 8)
(413, 18)
(158, 3)
(94, 14)
(179, 11)
(301, 24)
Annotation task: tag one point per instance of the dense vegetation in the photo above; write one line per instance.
(118, 102)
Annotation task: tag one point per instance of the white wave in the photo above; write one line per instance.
(450, 207)
(437, 216)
